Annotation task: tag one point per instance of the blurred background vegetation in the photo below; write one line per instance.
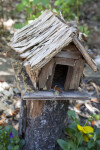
(18, 13)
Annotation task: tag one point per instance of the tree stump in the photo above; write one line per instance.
(42, 120)
(42, 123)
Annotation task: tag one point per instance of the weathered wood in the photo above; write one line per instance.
(85, 54)
(71, 47)
(40, 41)
(50, 79)
(50, 95)
(69, 54)
(34, 108)
(33, 76)
(68, 78)
(65, 61)
(41, 122)
(77, 73)
(46, 72)
(41, 131)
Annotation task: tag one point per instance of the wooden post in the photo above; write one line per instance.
(42, 119)
(42, 123)
(77, 73)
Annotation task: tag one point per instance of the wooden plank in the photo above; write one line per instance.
(77, 73)
(69, 54)
(68, 78)
(50, 95)
(70, 47)
(65, 61)
(85, 54)
(49, 81)
(45, 73)
(33, 75)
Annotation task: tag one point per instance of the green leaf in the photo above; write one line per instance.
(18, 25)
(94, 137)
(20, 7)
(71, 114)
(14, 132)
(17, 140)
(45, 2)
(37, 2)
(97, 132)
(91, 144)
(81, 148)
(57, 2)
(98, 144)
(8, 128)
(16, 147)
(81, 28)
(63, 144)
(79, 137)
(0, 127)
(1, 146)
(31, 0)
(29, 10)
(22, 143)
(73, 126)
(10, 147)
(72, 145)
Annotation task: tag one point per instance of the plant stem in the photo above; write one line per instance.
(79, 141)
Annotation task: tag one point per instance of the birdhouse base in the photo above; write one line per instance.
(42, 123)
(43, 114)
(52, 95)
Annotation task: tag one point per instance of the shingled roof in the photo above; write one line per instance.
(41, 40)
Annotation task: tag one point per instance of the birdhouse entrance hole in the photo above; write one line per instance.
(60, 76)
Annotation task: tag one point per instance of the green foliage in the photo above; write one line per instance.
(69, 8)
(18, 25)
(9, 139)
(78, 137)
(33, 8)
(84, 29)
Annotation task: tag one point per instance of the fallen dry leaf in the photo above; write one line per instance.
(2, 121)
(92, 122)
(78, 106)
(95, 100)
(1, 80)
(15, 112)
(97, 88)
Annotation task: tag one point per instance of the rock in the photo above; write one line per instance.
(17, 104)
(17, 117)
(8, 93)
(4, 98)
(2, 106)
(16, 90)
(4, 85)
(1, 89)
(8, 113)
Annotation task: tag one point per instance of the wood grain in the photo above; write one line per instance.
(77, 73)
(46, 72)
(69, 54)
(68, 78)
(50, 95)
(85, 54)
(65, 61)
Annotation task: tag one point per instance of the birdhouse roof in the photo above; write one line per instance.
(39, 41)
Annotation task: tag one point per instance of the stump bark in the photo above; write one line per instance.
(42, 123)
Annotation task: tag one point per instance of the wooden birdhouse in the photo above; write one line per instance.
(53, 58)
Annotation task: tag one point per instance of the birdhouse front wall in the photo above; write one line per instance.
(63, 73)
(67, 71)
